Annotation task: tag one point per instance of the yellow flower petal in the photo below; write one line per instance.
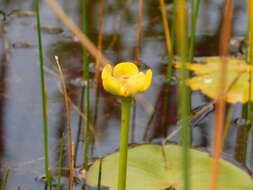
(125, 69)
(148, 80)
(136, 83)
(110, 83)
(113, 86)
(107, 71)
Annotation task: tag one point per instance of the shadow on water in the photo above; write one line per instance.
(21, 134)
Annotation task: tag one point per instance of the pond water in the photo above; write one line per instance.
(21, 125)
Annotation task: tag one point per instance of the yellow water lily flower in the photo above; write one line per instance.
(125, 79)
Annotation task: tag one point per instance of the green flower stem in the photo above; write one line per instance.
(125, 119)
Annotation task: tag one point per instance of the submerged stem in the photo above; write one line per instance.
(125, 120)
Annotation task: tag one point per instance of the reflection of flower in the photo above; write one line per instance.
(125, 79)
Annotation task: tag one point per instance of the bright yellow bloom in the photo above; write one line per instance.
(125, 79)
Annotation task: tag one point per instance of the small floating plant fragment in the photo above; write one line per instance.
(52, 30)
(22, 44)
(207, 79)
(149, 170)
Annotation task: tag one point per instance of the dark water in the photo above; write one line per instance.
(21, 132)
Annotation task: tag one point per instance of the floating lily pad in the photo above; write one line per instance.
(207, 79)
(148, 170)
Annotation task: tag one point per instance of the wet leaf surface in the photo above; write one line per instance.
(148, 169)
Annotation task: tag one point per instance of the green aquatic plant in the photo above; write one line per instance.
(43, 94)
(207, 78)
(86, 77)
(5, 180)
(147, 170)
(184, 103)
(125, 80)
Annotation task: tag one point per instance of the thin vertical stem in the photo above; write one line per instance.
(168, 40)
(79, 125)
(100, 40)
(138, 43)
(227, 125)
(43, 93)
(243, 132)
(125, 120)
(220, 105)
(69, 131)
(86, 77)
(58, 187)
(194, 19)
(71, 167)
(184, 95)
(250, 31)
(139, 32)
(250, 56)
(99, 174)
(100, 48)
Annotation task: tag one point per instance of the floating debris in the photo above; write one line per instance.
(3, 30)
(25, 23)
(22, 45)
(19, 13)
(52, 29)
(240, 122)
(238, 45)
(78, 82)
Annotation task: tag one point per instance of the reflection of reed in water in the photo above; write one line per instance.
(5, 59)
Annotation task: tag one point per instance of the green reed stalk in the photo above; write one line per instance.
(79, 128)
(250, 54)
(168, 40)
(5, 181)
(43, 93)
(184, 93)
(58, 187)
(227, 124)
(86, 77)
(243, 131)
(99, 175)
(194, 18)
(125, 120)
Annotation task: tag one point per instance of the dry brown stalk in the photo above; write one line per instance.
(220, 105)
(69, 131)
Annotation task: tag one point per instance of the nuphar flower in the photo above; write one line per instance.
(125, 79)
